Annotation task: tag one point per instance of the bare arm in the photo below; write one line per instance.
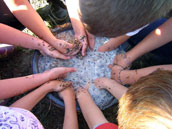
(113, 43)
(16, 86)
(70, 118)
(116, 89)
(156, 39)
(80, 33)
(31, 99)
(90, 111)
(15, 37)
(24, 12)
(131, 76)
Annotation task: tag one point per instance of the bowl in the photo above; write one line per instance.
(90, 67)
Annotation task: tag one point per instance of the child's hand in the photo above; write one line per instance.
(82, 90)
(59, 72)
(62, 46)
(108, 46)
(86, 39)
(116, 72)
(104, 83)
(113, 43)
(67, 93)
(58, 85)
(51, 51)
(122, 60)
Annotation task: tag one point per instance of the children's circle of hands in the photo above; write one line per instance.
(120, 63)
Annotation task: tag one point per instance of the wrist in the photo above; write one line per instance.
(81, 95)
(127, 76)
(132, 56)
(47, 88)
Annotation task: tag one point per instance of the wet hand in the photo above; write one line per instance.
(62, 46)
(116, 73)
(86, 39)
(47, 49)
(58, 85)
(67, 93)
(122, 60)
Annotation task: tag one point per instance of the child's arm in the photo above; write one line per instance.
(31, 99)
(90, 111)
(131, 76)
(24, 12)
(116, 89)
(15, 37)
(70, 118)
(80, 33)
(16, 86)
(156, 39)
(113, 43)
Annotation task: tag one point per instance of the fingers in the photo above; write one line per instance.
(64, 45)
(91, 40)
(84, 49)
(62, 85)
(84, 41)
(57, 54)
(109, 46)
(61, 56)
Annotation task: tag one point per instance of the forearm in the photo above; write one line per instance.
(90, 111)
(15, 37)
(24, 12)
(15, 86)
(31, 99)
(156, 39)
(131, 76)
(73, 10)
(70, 118)
(117, 90)
(119, 40)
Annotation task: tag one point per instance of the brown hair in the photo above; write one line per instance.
(111, 18)
(148, 103)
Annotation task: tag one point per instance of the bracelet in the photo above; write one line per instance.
(120, 77)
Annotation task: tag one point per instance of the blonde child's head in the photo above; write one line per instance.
(111, 18)
(148, 103)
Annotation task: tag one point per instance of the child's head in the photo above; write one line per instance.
(148, 103)
(112, 18)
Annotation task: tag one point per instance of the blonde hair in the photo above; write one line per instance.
(148, 103)
(111, 18)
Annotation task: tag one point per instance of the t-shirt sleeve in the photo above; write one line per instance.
(136, 31)
(107, 126)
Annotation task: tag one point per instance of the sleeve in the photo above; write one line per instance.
(136, 31)
(18, 118)
(107, 126)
